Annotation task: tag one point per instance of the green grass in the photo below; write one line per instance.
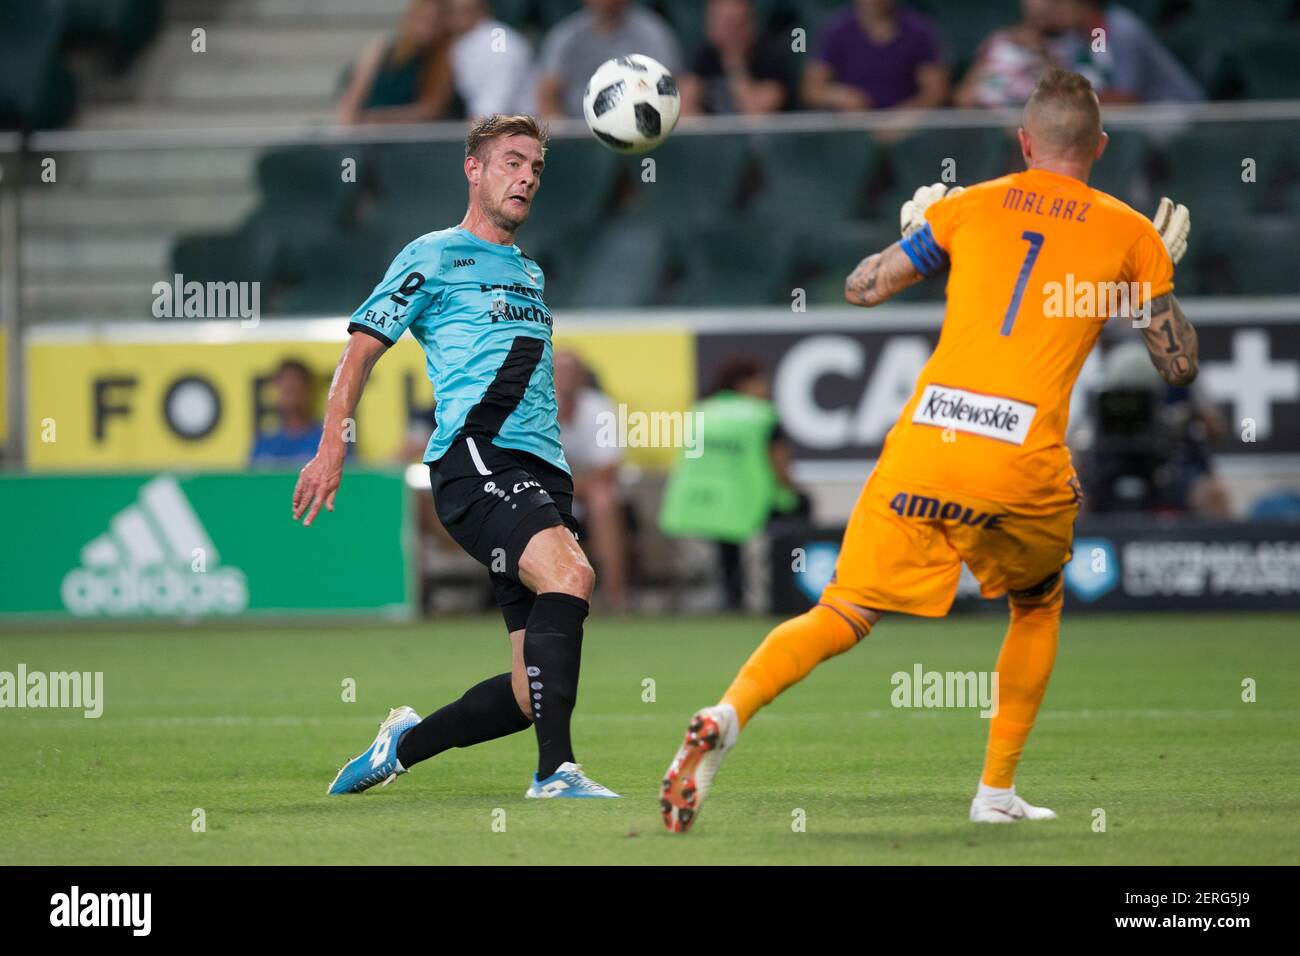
(1144, 720)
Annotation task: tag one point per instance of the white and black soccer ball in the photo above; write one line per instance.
(631, 103)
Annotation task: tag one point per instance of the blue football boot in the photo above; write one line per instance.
(567, 781)
(379, 763)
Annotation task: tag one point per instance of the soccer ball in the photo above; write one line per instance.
(631, 103)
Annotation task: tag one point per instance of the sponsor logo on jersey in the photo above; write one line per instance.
(992, 416)
(927, 506)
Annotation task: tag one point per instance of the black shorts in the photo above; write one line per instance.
(492, 501)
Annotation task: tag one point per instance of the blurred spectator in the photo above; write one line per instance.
(1010, 61)
(736, 71)
(741, 481)
(875, 55)
(492, 64)
(584, 40)
(1148, 448)
(404, 78)
(595, 467)
(294, 443)
(1131, 66)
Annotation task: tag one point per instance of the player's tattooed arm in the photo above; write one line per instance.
(319, 480)
(1172, 342)
(880, 276)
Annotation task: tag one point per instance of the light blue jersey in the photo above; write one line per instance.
(476, 309)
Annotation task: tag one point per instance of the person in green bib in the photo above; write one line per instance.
(736, 479)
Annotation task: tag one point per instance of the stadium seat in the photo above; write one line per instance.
(1255, 258)
(963, 26)
(687, 20)
(1151, 11)
(817, 176)
(121, 26)
(1203, 168)
(551, 12)
(823, 257)
(1124, 169)
(516, 13)
(1262, 256)
(303, 196)
(337, 274)
(743, 261)
(577, 185)
(696, 177)
(811, 14)
(244, 255)
(420, 187)
(1267, 66)
(595, 274)
(36, 89)
(920, 158)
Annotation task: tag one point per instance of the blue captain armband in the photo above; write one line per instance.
(924, 251)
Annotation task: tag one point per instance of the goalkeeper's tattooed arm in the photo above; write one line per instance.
(880, 276)
(1171, 340)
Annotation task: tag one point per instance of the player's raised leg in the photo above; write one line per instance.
(555, 569)
(378, 764)
(486, 711)
(786, 656)
(1024, 668)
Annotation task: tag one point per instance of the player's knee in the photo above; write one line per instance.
(573, 575)
(582, 580)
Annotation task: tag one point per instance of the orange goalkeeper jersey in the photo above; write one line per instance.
(1039, 261)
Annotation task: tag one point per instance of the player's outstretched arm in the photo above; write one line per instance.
(1172, 342)
(319, 480)
(880, 276)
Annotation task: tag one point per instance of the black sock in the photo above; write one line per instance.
(484, 712)
(552, 656)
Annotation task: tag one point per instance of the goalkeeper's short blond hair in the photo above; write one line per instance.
(1063, 115)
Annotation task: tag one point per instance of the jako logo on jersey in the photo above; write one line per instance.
(155, 558)
(1093, 570)
(461, 263)
(989, 415)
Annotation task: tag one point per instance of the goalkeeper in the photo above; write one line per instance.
(976, 469)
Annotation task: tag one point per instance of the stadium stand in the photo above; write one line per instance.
(282, 214)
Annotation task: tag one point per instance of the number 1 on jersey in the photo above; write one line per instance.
(1035, 240)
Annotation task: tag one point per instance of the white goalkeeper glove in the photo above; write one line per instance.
(1173, 223)
(912, 216)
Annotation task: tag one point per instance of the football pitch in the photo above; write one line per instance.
(241, 729)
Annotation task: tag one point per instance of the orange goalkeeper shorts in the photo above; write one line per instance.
(906, 541)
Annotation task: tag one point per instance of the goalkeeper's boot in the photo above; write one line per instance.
(379, 763)
(709, 737)
(1006, 808)
(567, 781)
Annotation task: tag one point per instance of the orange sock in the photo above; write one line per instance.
(790, 652)
(1024, 667)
